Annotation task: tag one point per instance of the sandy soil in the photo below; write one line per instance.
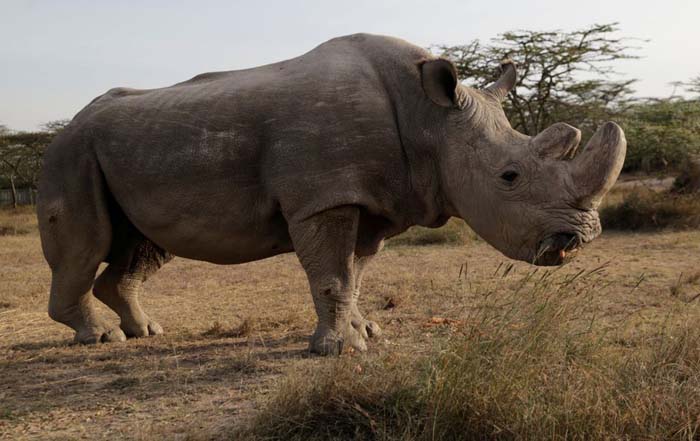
(233, 332)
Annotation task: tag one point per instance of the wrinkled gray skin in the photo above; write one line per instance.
(326, 155)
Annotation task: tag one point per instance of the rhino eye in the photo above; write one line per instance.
(510, 176)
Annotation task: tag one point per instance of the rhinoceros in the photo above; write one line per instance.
(325, 155)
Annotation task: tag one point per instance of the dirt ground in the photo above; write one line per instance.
(232, 332)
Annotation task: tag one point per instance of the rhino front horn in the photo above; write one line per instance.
(596, 168)
(506, 82)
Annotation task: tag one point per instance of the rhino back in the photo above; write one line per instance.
(224, 160)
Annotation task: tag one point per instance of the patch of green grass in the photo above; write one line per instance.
(124, 382)
(528, 362)
(6, 414)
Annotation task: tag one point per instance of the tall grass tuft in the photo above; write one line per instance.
(529, 361)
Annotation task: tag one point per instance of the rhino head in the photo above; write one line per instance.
(533, 198)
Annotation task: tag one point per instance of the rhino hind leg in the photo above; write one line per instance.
(76, 234)
(70, 303)
(133, 259)
(325, 245)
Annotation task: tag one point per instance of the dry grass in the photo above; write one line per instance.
(687, 287)
(465, 351)
(251, 326)
(17, 221)
(527, 361)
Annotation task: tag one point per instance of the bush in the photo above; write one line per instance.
(688, 181)
(646, 210)
(454, 232)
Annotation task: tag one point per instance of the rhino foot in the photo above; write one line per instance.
(367, 328)
(146, 328)
(329, 342)
(100, 334)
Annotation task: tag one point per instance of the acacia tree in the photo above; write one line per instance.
(56, 126)
(562, 76)
(21, 154)
(11, 159)
(693, 85)
(20, 158)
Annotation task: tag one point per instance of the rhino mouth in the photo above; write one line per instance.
(557, 249)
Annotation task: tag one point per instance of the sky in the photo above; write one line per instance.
(56, 56)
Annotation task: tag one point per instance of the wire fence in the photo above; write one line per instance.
(25, 196)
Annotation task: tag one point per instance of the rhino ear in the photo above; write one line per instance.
(439, 78)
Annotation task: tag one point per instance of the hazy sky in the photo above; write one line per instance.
(55, 56)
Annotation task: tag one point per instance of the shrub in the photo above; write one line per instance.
(688, 181)
(454, 232)
(645, 210)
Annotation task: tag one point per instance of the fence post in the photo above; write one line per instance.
(14, 191)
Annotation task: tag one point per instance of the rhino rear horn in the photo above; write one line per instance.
(596, 168)
(506, 82)
(558, 141)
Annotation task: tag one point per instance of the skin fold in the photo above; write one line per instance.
(326, 155)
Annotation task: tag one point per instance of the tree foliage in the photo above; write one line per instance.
(21, 154)
(661, 134)
(562, 76)
(56, 126)
(693, 85)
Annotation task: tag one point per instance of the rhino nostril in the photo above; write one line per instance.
(566, 241)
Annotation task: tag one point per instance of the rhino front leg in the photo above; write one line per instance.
(366, 327)
(325, 245)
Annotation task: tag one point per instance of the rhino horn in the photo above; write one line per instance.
(558, 141)
(595, 169)
(506, 82)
